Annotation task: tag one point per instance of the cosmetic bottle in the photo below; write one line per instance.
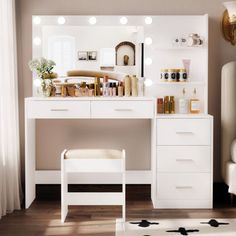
(83, 90)
(171, 75)
(105, 86)
(183, 103)
(166, 105)
(63, 91)
(110, 90)
(91, 90)
(194, 103)
(183, 76)
(114, 89)
(160, 106)
(120, 89)
(77, 91)
(172, 105)
(127, 81)
(134, 86)
(97, 87)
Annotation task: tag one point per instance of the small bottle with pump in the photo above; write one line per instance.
(110, 90)
(183, 104)
(105, 86)
(194, 103)
(114, 89)
(127, 82)
(97, 87)
(120, 89)
(134, 86)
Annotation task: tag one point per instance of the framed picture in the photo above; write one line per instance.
(82, 56)
(92, 55)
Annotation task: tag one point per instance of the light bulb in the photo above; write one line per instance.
(148, 82)
(148, 61)
(61, 20)
(148, 20)
(148, 41)
(37, 41)
(92, 20)
(36, 20)
(123, 20)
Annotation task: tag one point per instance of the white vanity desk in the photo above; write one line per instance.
(181, 166)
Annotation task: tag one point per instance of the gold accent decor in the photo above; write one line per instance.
(229, 28)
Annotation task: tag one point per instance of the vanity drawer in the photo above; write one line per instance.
(183, 131)
(58, 109)
(183, 186)
(122, 109)
(183, 159)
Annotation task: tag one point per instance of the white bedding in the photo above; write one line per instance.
(233, 151)
(231, 177)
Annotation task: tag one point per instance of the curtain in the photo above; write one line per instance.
(9, 122)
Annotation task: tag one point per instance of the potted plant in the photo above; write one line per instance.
(43, 69)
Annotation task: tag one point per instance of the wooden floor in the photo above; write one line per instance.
(43, 217)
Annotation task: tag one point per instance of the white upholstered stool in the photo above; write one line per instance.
(92, 161)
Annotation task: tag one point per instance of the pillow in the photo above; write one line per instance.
(233, 151)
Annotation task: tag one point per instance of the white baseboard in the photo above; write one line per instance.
(54, 177)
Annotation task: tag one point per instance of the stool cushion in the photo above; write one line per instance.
(93, 154)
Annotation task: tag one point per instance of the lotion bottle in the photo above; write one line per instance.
(183, 104)
(134, 86)
(127, 82)
(194, 103)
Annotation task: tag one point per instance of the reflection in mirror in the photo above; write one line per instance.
(106, 48)
(92, 48)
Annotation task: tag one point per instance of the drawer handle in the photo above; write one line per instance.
(184, 132)
(183, 187)
(60, 109)
(183, 160)
(123, 109)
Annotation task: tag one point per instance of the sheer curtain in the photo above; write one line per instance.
(9, 130)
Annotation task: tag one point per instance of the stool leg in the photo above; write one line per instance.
(64, 190)
(124, 187)
(64, 206)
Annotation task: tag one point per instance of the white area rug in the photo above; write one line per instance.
(177, 227)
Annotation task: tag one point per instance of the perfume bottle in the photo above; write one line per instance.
(120, 89)
(134, 86)
(110, 90)
(183, 103)
(114, 89)
(97, 87)
(172, 105)
(127, 82)
(194, 103)
(166, 105)
(105, 86)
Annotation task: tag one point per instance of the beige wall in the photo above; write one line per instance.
(220, 52)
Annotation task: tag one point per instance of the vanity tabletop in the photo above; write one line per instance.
(90, 98)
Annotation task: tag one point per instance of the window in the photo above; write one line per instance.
(61, 49)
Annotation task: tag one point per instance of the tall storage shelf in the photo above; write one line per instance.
(166, 55)
(183, 153)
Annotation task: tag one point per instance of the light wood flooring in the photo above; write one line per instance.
(43, 217)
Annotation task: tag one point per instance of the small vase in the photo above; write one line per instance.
(46, 87)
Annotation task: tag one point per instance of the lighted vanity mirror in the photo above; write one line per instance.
(121, 45)
(102, 43)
